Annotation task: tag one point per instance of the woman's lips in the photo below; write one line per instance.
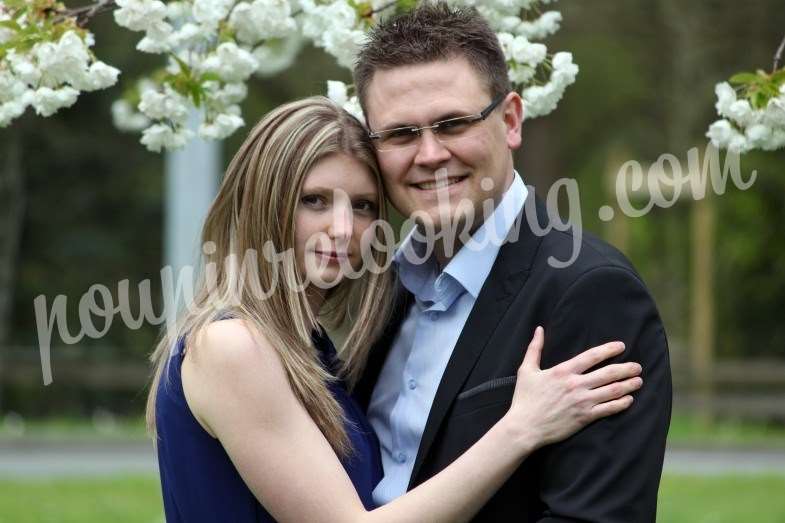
(332, 256)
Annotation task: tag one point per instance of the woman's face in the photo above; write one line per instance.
(338, 203)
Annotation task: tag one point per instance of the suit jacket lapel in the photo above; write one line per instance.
(509, 273)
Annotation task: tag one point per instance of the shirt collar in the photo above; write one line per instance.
(473, 262)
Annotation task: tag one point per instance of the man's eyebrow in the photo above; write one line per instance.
(446, 116)
(397, 125)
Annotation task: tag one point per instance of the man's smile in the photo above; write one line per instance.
(439, 183)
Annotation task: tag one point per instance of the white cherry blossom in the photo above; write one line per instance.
(157, 39)
(231, 62)
(547, 24)
(47, 101)
(161, 136)
(210, 12)
(126, 118)
(139, 15)
(726, 95)
(11, 110)
(720, 133)
(337, 92)
(277, 55)
(262, 19)
(352, 106)
(166, 105)
(220, 127)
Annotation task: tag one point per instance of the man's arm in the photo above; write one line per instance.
(610, 471)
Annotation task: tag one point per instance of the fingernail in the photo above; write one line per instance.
(540, 329)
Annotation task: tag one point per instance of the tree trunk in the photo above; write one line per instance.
(12, 206)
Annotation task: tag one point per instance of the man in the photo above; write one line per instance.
(444, 372)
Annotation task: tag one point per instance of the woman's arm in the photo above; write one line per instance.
(238, 389)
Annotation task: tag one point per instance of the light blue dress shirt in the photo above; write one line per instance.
(419, 354)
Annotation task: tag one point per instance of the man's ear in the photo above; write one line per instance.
(512, 108)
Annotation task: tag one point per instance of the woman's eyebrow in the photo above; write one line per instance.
(330, 190)
(366, 196)
(317, 189)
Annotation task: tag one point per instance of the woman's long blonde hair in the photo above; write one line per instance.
(255, 211)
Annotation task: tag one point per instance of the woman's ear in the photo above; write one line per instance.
(513, 119)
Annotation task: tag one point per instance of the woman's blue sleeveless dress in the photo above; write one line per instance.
(199, 482)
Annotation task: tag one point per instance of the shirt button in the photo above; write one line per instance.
(412, 384)
(401, 457)
(433, 316)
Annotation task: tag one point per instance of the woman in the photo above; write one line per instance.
(252, 413)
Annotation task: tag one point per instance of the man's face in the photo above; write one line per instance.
(477, 166)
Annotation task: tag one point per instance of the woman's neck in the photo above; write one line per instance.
(316, 298)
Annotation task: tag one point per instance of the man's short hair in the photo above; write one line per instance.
(428, 33)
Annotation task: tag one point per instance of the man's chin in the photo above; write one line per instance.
(449, 223)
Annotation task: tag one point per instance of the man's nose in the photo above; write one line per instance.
(430, 151)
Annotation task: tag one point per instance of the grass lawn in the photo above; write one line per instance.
(687, 430)
(683, 499)
(103, 500)
(721, 499)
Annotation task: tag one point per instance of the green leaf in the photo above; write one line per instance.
(183, 66)
(10, 24)
(778, 77)
(16, 4)
(196, 96)
(225, 32)
(744, 78)
(210, 77)
(758, 100)
(405, 5)
(770, 90)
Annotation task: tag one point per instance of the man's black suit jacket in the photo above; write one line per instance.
(609, 471)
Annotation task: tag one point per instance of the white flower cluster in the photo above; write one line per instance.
(50, 75)
(219, 44)
(539, 100)
(543, 26)
(744, 128)
(527, 59)
(523, 57)
(335, 27)
(338, 92)
(214, 46)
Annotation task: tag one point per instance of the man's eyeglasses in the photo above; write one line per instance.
(444, 130)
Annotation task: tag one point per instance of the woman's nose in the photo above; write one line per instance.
(341, 221)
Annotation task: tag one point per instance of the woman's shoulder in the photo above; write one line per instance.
(230, 343)
(229, 363)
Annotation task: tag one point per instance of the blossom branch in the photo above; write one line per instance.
(778, 55)
(382, 8)
(85, 13)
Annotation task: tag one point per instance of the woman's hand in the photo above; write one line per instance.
(550, 405)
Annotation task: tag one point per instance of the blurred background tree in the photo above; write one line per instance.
(81, 203)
